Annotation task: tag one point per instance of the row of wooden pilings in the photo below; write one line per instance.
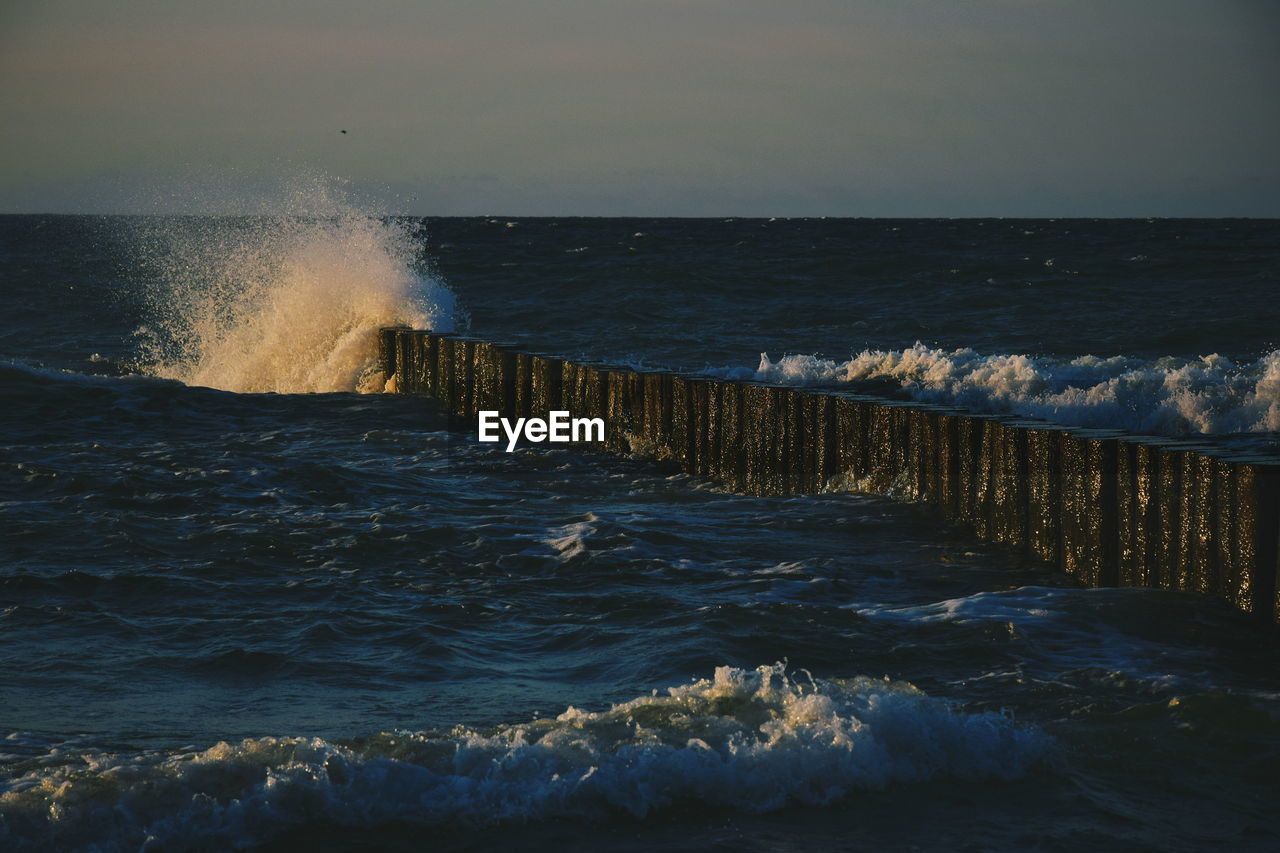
(1106, 507)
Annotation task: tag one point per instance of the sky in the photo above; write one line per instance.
(646, 107)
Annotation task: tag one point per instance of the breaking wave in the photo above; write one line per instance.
(1171, 396)
(747, 739)
(289, 303)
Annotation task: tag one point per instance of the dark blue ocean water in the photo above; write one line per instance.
(244, 605)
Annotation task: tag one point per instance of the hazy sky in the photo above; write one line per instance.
(663, 107)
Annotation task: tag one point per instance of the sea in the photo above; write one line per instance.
(250, 602)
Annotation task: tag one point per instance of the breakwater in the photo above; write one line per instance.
(1106, 507)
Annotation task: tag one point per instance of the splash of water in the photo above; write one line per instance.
(289, 302)
(1172, 396)
(753, 740)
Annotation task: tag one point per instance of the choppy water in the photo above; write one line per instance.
(232, 618)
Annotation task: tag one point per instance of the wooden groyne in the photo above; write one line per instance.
(1112, 509)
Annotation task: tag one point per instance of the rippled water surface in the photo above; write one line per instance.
(236, 618)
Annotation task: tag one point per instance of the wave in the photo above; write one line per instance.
(754, 740)
(289, 303)
(1170, 396)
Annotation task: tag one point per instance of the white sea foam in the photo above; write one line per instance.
(289, 302)
(749, 739)
(571, 540)
(1173, 396)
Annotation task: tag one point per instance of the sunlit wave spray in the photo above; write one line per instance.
(289, 302)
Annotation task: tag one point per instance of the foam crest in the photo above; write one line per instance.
(1172, 396)
(289, 302)
(748, 739)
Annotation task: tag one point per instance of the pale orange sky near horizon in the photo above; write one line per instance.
(656, 107)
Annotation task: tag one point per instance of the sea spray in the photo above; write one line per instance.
(1171, 396)
(748, 739)
(289, 303)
